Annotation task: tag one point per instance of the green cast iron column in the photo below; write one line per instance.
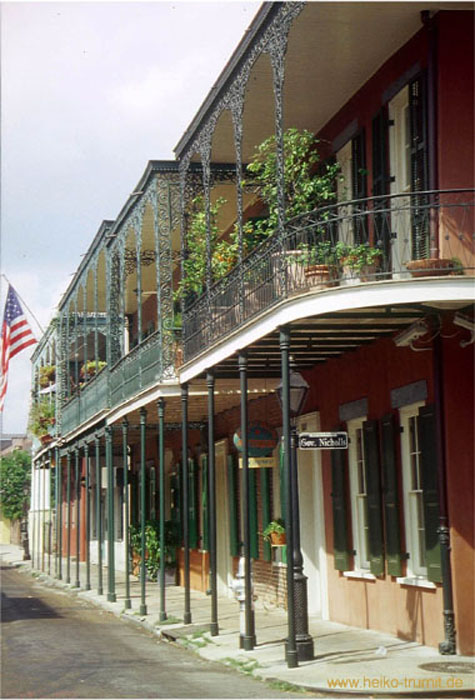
(43, 517)
(214, 627)
(143, 420)
(78, 513)
(111, 596)
(249, 639)
(186, 529)
(59, 505)
(88, 518)
(68, 499)
(161, 463)
(291, 646)
(125, 463)
(100, 589)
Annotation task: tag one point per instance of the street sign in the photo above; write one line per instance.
(323, 441)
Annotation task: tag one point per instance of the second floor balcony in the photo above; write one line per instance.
(367, 241)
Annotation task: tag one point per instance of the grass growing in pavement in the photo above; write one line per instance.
(169, 621)
(247, 666)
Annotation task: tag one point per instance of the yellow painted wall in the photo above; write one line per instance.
(4, 530)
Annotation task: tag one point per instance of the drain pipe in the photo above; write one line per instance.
(448, 646)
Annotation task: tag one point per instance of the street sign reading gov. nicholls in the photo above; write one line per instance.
(323, 441)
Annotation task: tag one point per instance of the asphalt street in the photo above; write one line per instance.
(57, 645)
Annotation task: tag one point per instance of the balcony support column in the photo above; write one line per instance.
(50, 520)
(87, 466)
(143, 570)
(214, 627)
(43, 517)
(278, 70)
(249, 640)
(186, 529)
(68, 499)
(237, 115)
(291, 647)
(77, 477)
(125, 467)
(138, 252)
(111, 596)
(161, 486)
(97, 441)
(59, 515)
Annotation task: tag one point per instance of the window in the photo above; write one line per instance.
(413, 491)
(358, 495)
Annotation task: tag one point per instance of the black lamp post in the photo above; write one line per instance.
(297, 392)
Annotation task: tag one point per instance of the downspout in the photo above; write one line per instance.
(448, 646)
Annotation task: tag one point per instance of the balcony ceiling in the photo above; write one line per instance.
(333, 49)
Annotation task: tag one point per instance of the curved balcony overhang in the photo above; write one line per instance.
(378, 308)
(324, 61)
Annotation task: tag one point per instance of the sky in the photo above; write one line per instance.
(90, 92)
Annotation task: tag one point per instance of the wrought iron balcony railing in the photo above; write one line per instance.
(357, 242)
(92, 398)
(137, 370)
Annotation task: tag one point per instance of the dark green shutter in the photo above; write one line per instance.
(233, 506)
(359, 185)
(341, 550)
(204, 502)
(283, 495)
(373, 486)
(175, 486)
(391, 496)
(430, 491)
(419, 166)
(192, 505)
(382, 234)
(254, 541)
(266, 477)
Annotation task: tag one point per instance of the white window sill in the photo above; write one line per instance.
(360, 574)
(415, 581)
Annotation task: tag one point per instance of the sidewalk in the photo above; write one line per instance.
(347, 660)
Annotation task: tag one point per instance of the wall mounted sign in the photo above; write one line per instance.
(261, 440)
(259, 462)
(323, 441)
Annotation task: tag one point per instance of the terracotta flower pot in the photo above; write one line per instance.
(427, 267)
(317, 275)
(278, 539)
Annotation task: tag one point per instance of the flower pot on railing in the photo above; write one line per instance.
(428, 267)
(319, 276)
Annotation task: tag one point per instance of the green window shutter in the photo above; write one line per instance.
(430, 491)
(419, 165)
(233, 507)
(283, 495)
(204, 502)
(382, 233)
(359, 184)
(373, 490)
(175, 486)
(341, 549)
(192, 509)
(266, 476)
(253, 514)
(391, 496)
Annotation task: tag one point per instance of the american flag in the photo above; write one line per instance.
(16, 336)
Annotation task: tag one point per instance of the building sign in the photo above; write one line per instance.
(259, 462)
(261, 440)
(323, 441)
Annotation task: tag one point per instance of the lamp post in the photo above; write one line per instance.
(297, 391)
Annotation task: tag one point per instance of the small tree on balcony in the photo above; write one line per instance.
(307, 186)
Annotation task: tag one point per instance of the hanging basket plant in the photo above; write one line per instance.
(42, 419)
(275, 533)
(47, 375)
(92, 367)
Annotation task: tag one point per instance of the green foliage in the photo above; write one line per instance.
(319, 254)
(356, 257)
(152, 545)
(47, 375)
(275, 526)
(42, 417)
(305, 188)
(15, 477)
(91, 368)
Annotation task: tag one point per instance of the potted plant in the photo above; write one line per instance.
(47, 375)
(319, 263)
(427, 267)
(42, 419)
(152, 547)
(275, 533)
(91, 367)
(359, 262)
